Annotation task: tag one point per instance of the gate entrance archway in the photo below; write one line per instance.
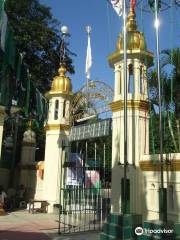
(91, 101)
(86, 180)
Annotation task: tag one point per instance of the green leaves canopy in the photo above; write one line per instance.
(37, 35)
(170, 84)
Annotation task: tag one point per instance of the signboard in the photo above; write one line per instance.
(74, 174)
(93, 130)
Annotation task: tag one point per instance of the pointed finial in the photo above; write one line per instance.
(131, 21)
(62, 70)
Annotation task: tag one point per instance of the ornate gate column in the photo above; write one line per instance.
(57, 132)
(138, 60)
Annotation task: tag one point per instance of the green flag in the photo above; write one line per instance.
(7, 37)
(28, 89)
(19, 70)
(6, 84)
(10, 48)
(39, 104)
(3, 24)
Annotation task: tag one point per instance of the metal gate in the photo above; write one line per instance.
(85, 188)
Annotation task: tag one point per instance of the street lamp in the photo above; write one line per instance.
(65, 31)
(63, 57)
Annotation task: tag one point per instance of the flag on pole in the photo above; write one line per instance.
(118, 6)
(28, 90)
(19, 69)
(19, 73)
(88, 55)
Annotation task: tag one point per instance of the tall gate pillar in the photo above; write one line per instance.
(57, 132)
(138, 60)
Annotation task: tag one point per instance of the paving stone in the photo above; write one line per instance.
(21, 225)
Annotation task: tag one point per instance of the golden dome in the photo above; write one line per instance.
(61, 83)
(135, 39)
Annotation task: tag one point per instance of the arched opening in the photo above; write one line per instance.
(64, 108)
(56, 110)
(131, 79)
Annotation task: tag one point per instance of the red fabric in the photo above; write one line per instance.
(133, 4)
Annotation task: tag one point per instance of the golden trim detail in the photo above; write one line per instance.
(154, 166)
(131, 104)
(143, 55)
(63, 127)
(58, 93)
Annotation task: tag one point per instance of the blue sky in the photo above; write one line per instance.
(106, 25)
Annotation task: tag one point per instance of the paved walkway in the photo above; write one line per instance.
(21, 225)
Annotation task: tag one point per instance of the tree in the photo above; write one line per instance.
(172, 57)
(37, 35)
(170, 82)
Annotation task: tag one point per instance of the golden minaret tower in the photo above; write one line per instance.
(138, 60)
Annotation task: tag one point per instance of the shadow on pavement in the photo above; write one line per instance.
(76, 236)
(17, 235)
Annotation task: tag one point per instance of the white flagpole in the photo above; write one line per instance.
(88, 62)
(125, 106)
(159, 85)
(162, 192)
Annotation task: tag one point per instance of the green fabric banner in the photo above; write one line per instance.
(6, 84)
(19, 68)
(3, 24)
(28, 89)
(10, 48)
(15, 82)
(1, 10)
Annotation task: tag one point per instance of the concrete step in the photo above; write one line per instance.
(116, 230)
(104, 236)
(125, 220)
(113, 229)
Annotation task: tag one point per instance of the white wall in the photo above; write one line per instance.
(152, 182)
